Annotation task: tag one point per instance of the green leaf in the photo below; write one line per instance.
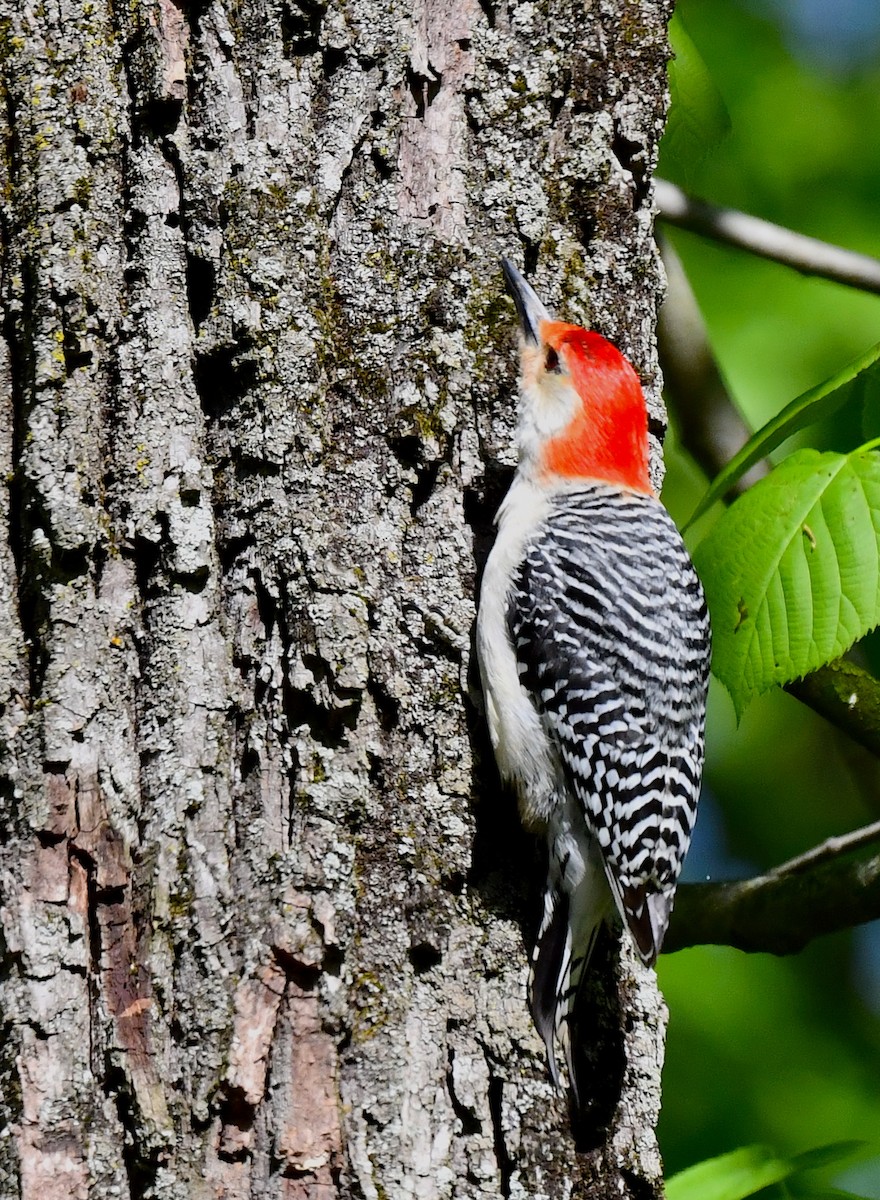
(792, 570)
(750, 1169)
(832, 1155)
(730, 1177)
(858, 382)
(828, 1156)
(698, 116)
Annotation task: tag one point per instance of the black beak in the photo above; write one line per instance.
(531, 311)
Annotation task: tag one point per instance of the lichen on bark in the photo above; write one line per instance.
(263, 910)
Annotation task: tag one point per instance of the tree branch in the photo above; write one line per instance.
(846, 695)
(805, 254)
(784, 910)
(709, 424)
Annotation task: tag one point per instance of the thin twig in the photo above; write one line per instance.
(805, 254)
(831, 848)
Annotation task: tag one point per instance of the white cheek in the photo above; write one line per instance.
(546, 409)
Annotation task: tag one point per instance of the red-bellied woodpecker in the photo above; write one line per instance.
(593, 641)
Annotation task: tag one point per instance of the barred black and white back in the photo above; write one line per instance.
(608, 625)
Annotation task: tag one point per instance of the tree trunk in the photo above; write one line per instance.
(264, 923)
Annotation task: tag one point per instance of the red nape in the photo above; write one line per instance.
(608, 436)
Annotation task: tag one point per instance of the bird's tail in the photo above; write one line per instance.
(577, 901)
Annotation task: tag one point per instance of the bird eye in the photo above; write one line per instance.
(552, 363)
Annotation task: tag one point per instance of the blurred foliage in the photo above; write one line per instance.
(698, 118)
(778, 1051)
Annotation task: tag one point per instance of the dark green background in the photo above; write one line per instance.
(780, 1051)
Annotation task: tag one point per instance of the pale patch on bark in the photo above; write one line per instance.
(173, 42)
(433, 141)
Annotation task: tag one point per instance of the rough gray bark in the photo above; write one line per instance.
(261, 933)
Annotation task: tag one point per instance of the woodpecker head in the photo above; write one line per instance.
(583, 413)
